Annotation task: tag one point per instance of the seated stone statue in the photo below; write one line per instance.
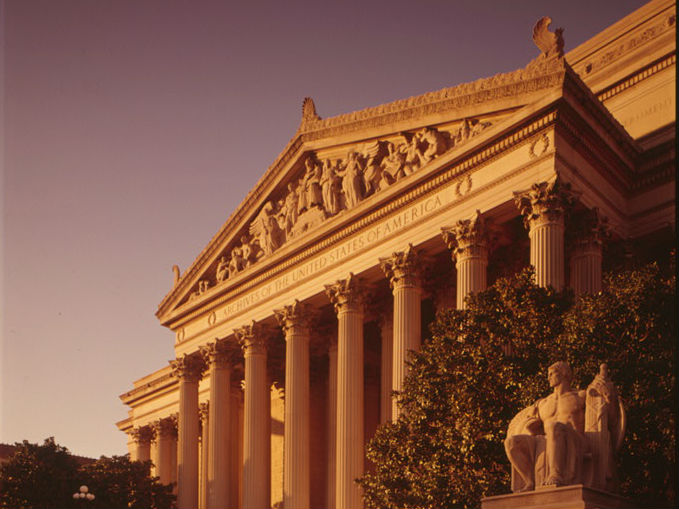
(569, 437)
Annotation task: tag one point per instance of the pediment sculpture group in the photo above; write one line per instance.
(570, 437)
(326, 188)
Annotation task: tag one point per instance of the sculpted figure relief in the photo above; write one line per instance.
(222, 269)
(312, 184)
(325, 189)
(266, 231)
(352, 181)
(330, 188)
(290, 208)
(569, 437)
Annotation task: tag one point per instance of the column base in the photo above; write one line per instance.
(576, 496)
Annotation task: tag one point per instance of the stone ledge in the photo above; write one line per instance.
(565, 497)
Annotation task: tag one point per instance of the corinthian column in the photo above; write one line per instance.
(257, 416)
(403, 273)
(386, 325)
(204, 414)
(332, 421)
(188, 369)
(142, 438)
(348, 302)
(468, 242)
(586, 241)
(543, 207)
(294, 320)
(166, 439)
(219, 356)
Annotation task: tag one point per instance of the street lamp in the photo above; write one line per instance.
(83, 493)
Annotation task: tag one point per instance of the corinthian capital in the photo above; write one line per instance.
(188, 367)
(589, 228)
(219, 353)
(468, 237)
(166, 427)
(544, 202)
(293, 316)
(252, 338)
(346, 294)
(143, 434)
(402, 268)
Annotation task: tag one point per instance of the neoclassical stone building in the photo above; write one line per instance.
(293, 323)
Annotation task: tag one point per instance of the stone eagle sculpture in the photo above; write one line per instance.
(550, 43)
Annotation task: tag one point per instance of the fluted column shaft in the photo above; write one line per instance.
(547, 251)
(166, 439)
(402, 270)
(256, 439)
(296, 473)
(543, 207)
(468, 242)
(587, 234)
(188, 369)
(332, 422)
(585, 274)
(142, 439)
(349, 449)
(218, 356)
(387, 360)
(204, 412)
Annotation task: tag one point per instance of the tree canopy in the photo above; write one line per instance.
(47, 476)
(484, 364)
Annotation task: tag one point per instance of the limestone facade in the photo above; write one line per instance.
(294, 323)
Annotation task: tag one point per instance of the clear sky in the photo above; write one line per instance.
(131, 129)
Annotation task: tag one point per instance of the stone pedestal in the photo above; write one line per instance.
(576, 496)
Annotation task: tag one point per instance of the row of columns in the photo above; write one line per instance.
(542, 207)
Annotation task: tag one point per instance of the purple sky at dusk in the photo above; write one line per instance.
(133, 128)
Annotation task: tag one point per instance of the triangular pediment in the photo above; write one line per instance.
(331, 165)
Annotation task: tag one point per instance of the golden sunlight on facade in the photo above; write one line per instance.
(293, 323)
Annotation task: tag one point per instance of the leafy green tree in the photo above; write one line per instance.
(483, 364)
(42, 476)
(46, 476)
(118, 482)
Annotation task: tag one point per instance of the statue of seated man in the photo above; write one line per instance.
(549, 442)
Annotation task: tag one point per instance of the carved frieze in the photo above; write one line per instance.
(325, 188)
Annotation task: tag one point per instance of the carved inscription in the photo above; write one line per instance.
(344, 250)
